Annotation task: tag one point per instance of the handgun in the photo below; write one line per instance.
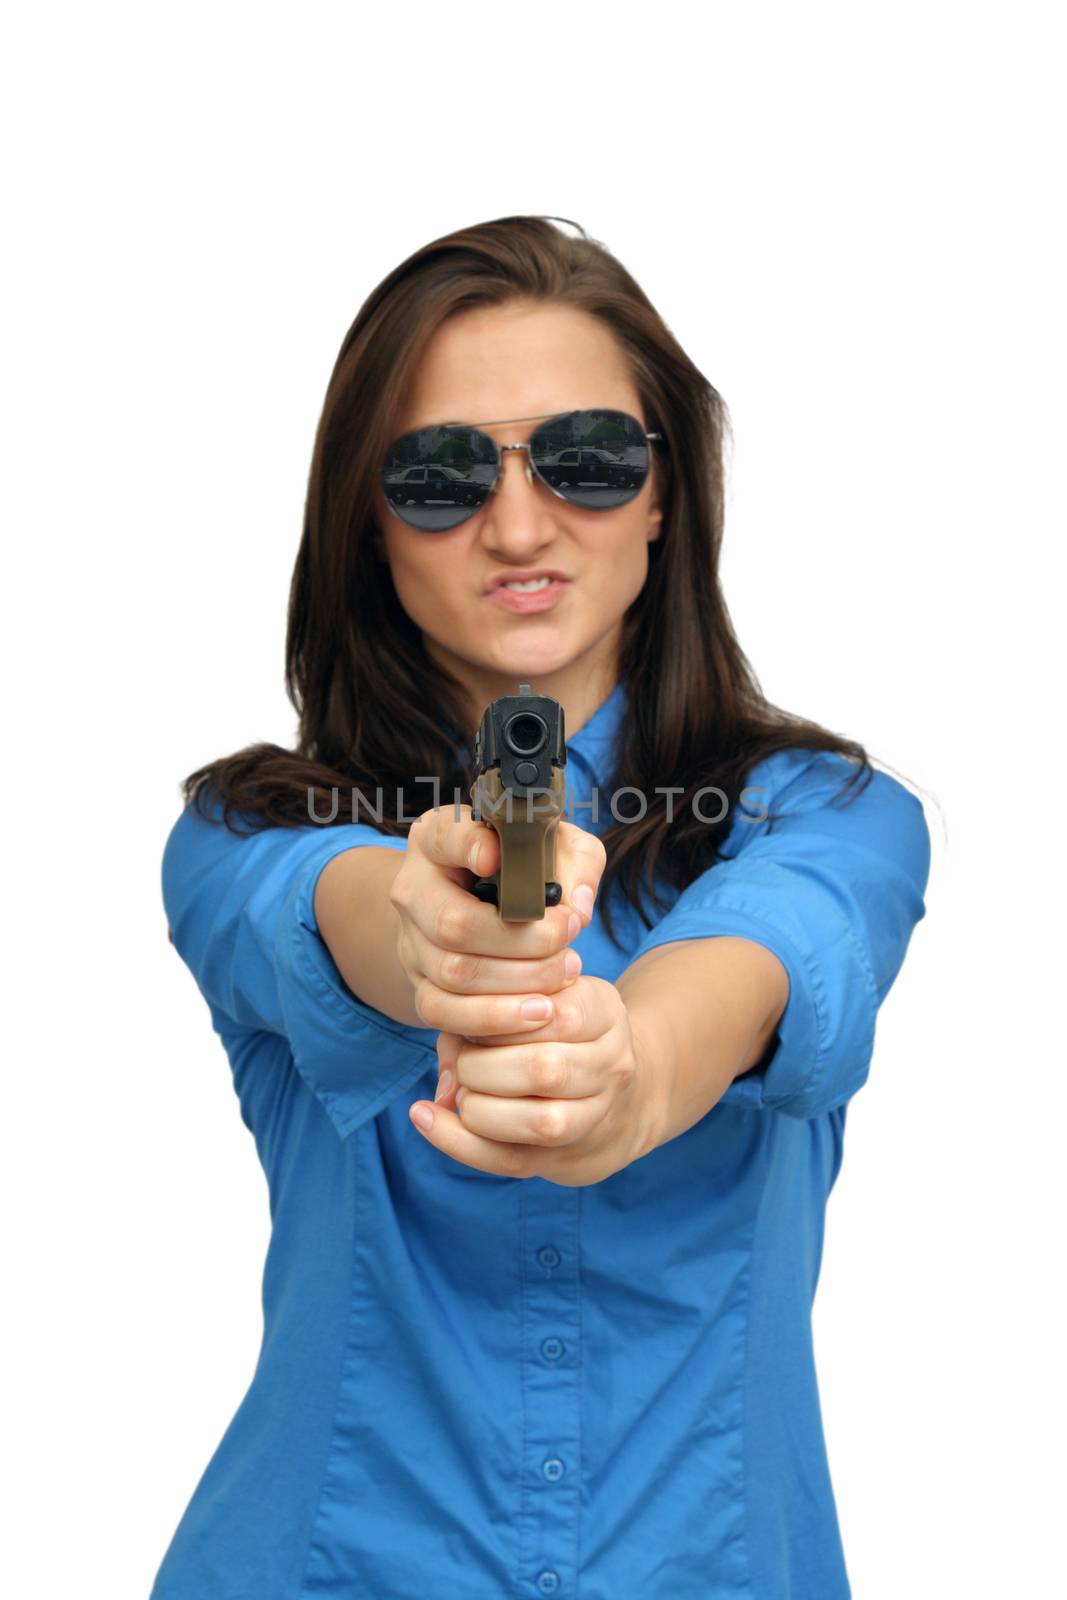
(520, 752)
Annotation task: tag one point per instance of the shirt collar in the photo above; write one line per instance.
(595, 742)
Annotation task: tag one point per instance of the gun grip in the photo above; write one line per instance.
(525, 881)
(488, 891)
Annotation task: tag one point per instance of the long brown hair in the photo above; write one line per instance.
(375, 710)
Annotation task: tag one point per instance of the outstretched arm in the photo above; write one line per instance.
(702, 1011)
(359, 923)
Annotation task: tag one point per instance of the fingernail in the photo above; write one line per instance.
(423, 1116)
(461, 1095)
(574, 927)
(472, 854)
(582, 899)
(572, 964)
(533, 1009)
(444, 1084)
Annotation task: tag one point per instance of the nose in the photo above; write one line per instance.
(517, 520)
(524, 460)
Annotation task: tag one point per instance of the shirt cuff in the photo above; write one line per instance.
(823, 1025)
(352, 1057)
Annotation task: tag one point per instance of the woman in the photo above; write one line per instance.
(558, 1342)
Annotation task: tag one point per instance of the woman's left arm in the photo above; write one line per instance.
(825, 895)
(702, 1011)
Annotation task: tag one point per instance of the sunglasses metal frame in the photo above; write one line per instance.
(531, 468)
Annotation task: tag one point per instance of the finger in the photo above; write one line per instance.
(475, 1015)
(447, 1133)
(549, 1124)
(449, 836)
(580, 861)
(461, 972)
(581, 1012)
(432, 893)
(451, 839)
(448, 918)
(535, 1066)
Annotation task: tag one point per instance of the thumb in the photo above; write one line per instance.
(580, 861)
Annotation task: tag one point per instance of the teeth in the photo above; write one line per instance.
(529, 588)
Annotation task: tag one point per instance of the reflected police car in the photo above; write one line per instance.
(588, 466)
(434, 485)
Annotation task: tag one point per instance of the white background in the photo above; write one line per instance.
(850, 216)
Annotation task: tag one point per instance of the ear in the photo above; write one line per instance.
(659, 481)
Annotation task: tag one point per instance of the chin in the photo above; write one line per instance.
(536, 657)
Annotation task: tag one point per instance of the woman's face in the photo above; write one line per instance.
(523, 360)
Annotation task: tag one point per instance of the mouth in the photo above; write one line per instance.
(533, 581)
(525, 593)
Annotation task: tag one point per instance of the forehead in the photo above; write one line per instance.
(521, 361)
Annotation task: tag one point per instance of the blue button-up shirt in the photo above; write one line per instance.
(472, 1387)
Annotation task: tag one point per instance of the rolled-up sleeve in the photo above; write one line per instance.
(834, 888)
(240, 911)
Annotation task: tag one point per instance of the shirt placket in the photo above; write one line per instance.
(551, 1386)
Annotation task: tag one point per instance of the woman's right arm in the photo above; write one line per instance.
(361, 926)
(241, 915)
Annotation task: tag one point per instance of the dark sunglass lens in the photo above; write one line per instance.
(435, 478)
(594, 459)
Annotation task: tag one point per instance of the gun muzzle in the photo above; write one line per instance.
(519, 755)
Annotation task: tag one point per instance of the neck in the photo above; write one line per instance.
(581, 687)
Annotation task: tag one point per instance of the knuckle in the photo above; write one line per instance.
(458, 969)
(569, 1009)
(427, 832)
(625, 1069)
(549, 1072)
(450, 925)
(398, 890)
(549, 1123)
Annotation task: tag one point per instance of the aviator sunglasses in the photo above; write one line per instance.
(435, 478)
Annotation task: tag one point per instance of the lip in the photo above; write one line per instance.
(537, 600)
(515, 575)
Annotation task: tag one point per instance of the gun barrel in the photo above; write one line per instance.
(518, 790)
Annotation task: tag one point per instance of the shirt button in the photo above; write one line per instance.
(553, 1469)
(552, 1349)
(548, 1257)
(548, 1582)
